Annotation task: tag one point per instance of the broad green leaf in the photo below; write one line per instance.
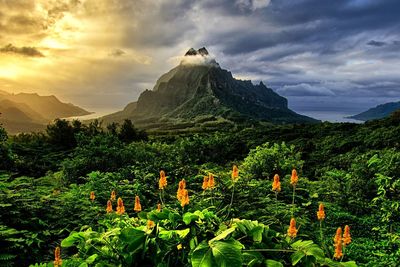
(182, 233)
(218, 253)
(170, 234)
(189, 217)
(300, 244)
(349, 264)
(252, 258)
(133, 237)
(272, 263)
(315, 251)
(227, 253)
(202, 256)
(296, 257)
(257, 233)
(91, 259)
(71, 240)
(224, 234)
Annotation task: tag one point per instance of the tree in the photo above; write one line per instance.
(128, 133)
(61, 133)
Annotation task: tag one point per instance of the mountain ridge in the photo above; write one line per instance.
(24, 112)
(379, 112)
(198, 86)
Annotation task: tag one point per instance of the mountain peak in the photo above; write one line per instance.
(200, 87)
(200, 57)
(193, 52)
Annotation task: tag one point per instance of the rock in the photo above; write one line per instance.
(203, 51)
(191, 52)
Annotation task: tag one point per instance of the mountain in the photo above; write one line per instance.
(30, 112)
(378, 112)
(198, 86)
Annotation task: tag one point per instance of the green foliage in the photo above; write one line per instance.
(352, 169)
(267, 160)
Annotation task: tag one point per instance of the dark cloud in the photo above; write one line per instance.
(376, 43)
(23, 51)
(305, 89)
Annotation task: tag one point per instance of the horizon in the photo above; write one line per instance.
(96, 56)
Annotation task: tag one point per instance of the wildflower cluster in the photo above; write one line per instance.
(208, 182)
(92, 196)
(321, 212)
(235, 173)
(138, 206)
(182, 193)
(341, 241)
(162, 182)
(276, 185)
(109, 208)
(120, 207)
(292, 231)
(57, 257)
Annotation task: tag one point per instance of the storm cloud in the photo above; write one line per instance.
(345, 51)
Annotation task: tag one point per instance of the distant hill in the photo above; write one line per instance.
(30, 112)
(378, 112)
(199, 87)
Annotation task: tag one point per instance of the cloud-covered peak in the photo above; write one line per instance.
(198, 57)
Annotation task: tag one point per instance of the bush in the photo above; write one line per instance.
(267, 160)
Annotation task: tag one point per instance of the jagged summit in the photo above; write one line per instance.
(193, 52)
(199, 57)
(198, 86)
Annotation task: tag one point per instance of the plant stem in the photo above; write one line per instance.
(161, 198)
(230, 205)
(294, 193)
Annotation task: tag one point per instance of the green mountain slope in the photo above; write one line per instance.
(200, 87)
(378, 112)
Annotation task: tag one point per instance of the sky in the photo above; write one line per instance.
(327, 56)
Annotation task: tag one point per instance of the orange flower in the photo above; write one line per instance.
(181, 188)
(338, 237)
(321, 212)
(205, 183)
(338, 250)
(276, 185)
(109, 206)
(185, 198)
(338, 244)
(235, 173)
(92, 196)
(57, 257)
(294, 179)
(137, 207)
(120, 207)
(158, 207)
(162, 182)
(113, 196)
(292, 231)
(150, 224)
(346, 235)
(211, 181)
